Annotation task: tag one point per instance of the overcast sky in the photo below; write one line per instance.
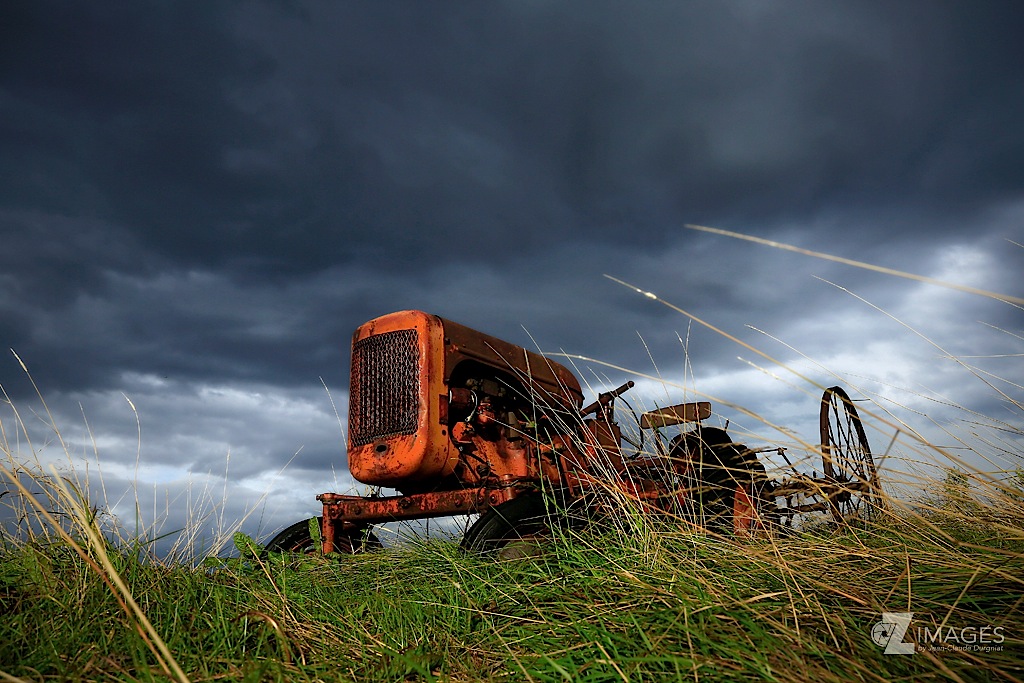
(200, 201)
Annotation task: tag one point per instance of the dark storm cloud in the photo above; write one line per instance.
(268, 144)
(200, 201)
(269, 139)
(594, 120)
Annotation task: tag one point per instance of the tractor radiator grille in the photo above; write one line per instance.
(385, 386)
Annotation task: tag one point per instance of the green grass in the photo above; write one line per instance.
(650, 601)
(642, 599)
(590, 608)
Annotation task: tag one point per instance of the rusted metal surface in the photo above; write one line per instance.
(817, 485)
(747, 514)
(397, 366)
(678, 414)
(460, 422)
(413, 375)
(341, 509)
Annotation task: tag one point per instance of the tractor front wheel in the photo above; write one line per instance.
(297, 539)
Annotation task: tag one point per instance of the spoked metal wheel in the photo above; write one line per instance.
(846, 459)
(296, 539)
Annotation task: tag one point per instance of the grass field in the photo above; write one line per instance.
(651, 599)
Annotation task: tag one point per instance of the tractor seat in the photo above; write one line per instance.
(677, 414)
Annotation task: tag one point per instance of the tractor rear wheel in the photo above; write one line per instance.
(511, 530)
(519, 527)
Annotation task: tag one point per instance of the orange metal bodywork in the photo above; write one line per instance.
(446, 354)
(459, 421)
(396, 458)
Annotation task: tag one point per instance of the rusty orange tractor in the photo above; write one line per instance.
(460, 423)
